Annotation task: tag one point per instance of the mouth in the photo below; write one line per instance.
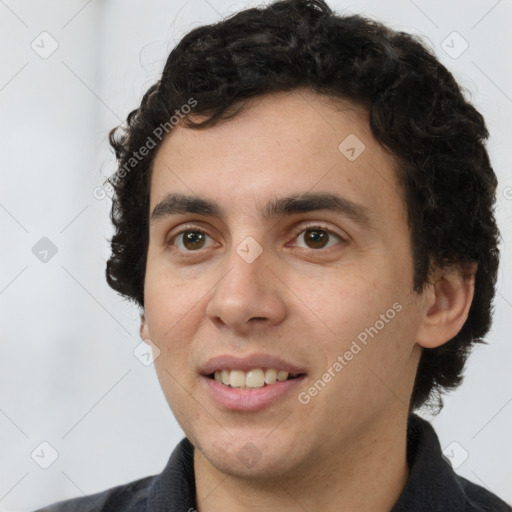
(252, 379)
(250, 383)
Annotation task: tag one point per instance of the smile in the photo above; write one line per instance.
(256, 378)
(251, 382)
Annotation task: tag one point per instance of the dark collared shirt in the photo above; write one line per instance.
(432, 485)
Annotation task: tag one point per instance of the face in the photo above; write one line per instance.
(318, 285)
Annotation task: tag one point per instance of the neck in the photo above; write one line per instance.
(368, 473)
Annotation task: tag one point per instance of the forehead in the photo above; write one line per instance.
(280, 145)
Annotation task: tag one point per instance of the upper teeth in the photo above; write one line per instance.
(256, 378)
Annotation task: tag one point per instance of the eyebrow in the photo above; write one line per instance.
(297, 203)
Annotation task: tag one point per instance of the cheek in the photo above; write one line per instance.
(367, 321)
(347, 305)
(170, 308)
(171, 316)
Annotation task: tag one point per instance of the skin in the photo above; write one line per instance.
(346, 448)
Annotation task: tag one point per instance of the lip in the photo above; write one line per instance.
(237, 399)
(263, 361)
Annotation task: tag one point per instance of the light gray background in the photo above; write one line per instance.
(68, 375)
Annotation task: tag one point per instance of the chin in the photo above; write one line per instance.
(251, 455)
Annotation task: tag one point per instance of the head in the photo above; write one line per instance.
(280, 102)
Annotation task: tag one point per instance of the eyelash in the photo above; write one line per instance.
(296, 233)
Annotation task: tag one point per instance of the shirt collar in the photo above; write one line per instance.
(174, 490)
(432, 484)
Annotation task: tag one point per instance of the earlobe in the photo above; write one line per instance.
(447, 303)
(143, 329)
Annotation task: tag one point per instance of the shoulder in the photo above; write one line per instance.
(479, 499)
(171, 490)
(433, 484)
(130, 497)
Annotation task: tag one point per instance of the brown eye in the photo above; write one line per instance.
(189, 240)
(193, 239)
(317, 237)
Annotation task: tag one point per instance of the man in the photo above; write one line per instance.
(304, 210)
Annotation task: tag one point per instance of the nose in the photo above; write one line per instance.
(249, 296)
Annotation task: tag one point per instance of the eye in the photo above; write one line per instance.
(189, 240)
(317, 237)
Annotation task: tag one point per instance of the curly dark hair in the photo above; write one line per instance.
(417, 112)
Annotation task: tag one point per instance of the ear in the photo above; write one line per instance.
(143, 329)
(447, 302)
